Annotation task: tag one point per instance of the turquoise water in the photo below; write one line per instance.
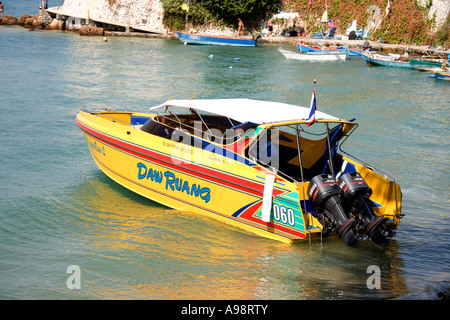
(17, 8)
(58, 209)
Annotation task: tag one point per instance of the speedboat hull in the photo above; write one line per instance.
(230, 193)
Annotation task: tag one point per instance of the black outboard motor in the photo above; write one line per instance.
(325, 196)
(356, 198)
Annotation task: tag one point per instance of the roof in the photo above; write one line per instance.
(244, 110)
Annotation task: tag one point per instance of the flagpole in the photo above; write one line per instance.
(330, 155)
(312, 109)
(314, 89)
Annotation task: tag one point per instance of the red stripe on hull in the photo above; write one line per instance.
(249, 213)
(240, 184)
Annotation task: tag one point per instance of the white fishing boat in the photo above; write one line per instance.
(315, 56)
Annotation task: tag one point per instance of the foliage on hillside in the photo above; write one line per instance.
(406, 22)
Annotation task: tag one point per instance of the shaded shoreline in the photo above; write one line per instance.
(280, 40)
(41, 22)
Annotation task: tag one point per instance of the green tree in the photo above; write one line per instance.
(226, 11)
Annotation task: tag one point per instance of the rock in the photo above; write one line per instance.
(55, 25)
(8, 20)
(28, 23)
(38, 24)
(31, 21)
(22, 19)
(91, 31)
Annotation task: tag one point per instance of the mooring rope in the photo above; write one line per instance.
(37, 124)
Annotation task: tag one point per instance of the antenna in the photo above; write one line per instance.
(314, 90)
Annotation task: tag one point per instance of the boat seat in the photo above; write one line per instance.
(321, 166)
(346, 167)
(138, 120)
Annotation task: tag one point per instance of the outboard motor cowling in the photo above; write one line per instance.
(325, 196)
(356, 196)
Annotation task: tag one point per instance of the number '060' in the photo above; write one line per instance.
(283, 214)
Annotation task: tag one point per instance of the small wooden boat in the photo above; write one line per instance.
(314, 56)
(386, 61)
(268, 168)
(427, 63)
(193, 38)
(427, 60)
(442, 75)
(310, 48)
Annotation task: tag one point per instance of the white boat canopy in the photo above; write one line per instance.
(286, 15)
(244, 110)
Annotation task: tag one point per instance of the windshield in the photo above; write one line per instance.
(278, 147)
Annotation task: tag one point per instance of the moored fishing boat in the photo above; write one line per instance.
(194, 38)
(426, 63)
(311, 48)
(260, 166)
(314, 56)
(386, 61)
(442, 75)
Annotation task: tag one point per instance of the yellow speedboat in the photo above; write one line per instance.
(256, 165)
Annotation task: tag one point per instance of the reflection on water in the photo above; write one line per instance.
(134, 248)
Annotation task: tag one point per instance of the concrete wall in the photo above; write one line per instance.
(135, 12)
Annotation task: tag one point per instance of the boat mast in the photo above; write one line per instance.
(330, 160)
(299, 153)
(302, 177)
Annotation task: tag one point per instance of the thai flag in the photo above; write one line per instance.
(312, 110)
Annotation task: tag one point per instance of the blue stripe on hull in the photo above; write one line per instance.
(397, 64)
(201, 39)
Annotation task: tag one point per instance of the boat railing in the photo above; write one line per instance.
(111, 117)
(206, 130)
(274, 169)
(386, 176)
(344, 138)
(370, 167)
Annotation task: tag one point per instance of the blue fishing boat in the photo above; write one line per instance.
(392, 60)
(310, 48)
(194, 38)
(444, 75)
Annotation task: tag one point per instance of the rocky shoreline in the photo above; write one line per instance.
(43, 21)
(32, 22)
